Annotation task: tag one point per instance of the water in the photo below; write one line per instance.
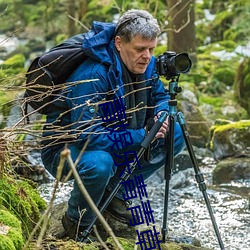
(187, 212)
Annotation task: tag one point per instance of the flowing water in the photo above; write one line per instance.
(187, 212)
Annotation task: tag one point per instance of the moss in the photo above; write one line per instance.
(13, 239)
(16, 237)
(225, 75)
(9, 219)
(21, 199)
(16, 61)
(126, 244)
(214, 101)
(6, 243)
(235, 125)
(220, 131)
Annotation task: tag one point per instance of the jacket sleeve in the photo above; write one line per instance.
(86, 116)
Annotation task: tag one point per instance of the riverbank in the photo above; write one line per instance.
(188, 216)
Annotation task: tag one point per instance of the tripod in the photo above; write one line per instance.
(173, 114)
(173, 90)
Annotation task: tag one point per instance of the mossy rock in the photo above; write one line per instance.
(232, 139)
(21, 199)
(11, 237)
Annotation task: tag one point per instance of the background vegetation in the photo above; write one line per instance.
(214, 33)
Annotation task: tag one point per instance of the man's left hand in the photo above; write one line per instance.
(163, 129)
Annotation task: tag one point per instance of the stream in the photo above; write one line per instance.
(187, 212)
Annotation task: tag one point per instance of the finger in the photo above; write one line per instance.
(159, 135)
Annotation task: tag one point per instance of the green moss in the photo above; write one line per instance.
(126, 244)
(9, 219)
(21, 199)
(13, 239)
(16, 61)
(225, 75)
(235, 125)
(239, 128)
(212, 100)
(6, 243)
(16, 237)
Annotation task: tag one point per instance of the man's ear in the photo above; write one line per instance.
(118, 42)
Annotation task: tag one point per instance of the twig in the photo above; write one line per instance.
(99, 238)
(66, 154)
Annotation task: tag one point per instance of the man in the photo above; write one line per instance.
(121, 69)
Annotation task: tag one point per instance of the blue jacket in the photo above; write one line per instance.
(103, 68)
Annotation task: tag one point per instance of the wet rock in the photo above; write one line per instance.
(231, 169)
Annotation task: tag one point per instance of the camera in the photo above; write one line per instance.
(171, 65)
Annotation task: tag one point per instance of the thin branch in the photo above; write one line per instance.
(77, 21)
(66, 154)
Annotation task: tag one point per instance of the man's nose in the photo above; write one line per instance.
(146, 54)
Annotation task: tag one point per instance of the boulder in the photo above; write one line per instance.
(231, 139)
(197, 125)
(231, 169)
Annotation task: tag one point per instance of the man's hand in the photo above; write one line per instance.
(164, 128)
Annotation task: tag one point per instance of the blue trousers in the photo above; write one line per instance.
(98, 172)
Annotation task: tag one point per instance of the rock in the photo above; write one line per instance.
(231, 169)
(181, 179)
(197, 125)
(232, 139)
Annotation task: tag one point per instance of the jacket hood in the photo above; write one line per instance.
(98, 43)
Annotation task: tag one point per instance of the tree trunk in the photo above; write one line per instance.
(83, 7)
(181, 27)
(71, 6)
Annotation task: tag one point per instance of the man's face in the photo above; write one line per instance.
(137, 53)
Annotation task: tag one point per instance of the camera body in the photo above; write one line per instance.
(171, 65)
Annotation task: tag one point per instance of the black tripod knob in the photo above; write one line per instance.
(177, 89)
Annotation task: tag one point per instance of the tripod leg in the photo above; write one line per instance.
(199, 176)
(168, 172)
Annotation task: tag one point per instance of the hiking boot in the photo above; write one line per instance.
(118, 210)
(74, 231)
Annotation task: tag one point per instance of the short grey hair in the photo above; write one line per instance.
(137, 22)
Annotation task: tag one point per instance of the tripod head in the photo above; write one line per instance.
(174, 89)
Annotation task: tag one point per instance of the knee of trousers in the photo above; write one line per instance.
(179, 142)
(98, 165)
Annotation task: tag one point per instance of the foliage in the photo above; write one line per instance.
(227, 21)
(242, 84)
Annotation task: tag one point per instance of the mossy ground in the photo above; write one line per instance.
(127, 244)
(20, 209)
